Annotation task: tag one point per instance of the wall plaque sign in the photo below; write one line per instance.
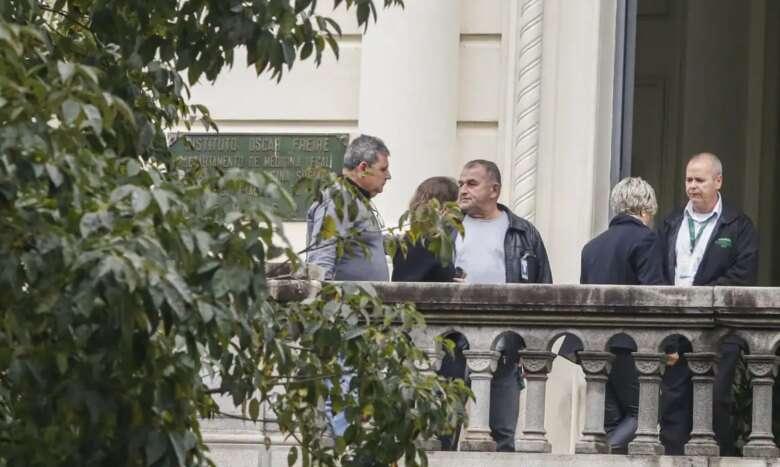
(289, 157)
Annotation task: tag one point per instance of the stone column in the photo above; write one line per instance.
(575, 129)
(596, 366)
(650, 366)
(482, 364)
(428, 366)
(702, 442)
(525, 142)
(763, 369)
(534, 438)
(409, 75)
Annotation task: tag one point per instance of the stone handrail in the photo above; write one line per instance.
(540, 314)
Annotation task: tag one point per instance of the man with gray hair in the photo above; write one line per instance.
(366, 170)
(708, 242)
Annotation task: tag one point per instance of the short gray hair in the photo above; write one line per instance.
(717, 165)
(364, 148)
(632, 195)
(490, 167)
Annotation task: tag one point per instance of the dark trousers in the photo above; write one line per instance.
(505, 394)
(621, 403)
(454, 367)
(724, 406)
(621, 406)
(676, 408)
(504, 390)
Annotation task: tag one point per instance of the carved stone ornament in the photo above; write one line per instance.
(648, 364)
(761, 366)
(701, 363)
(595, 363)
(424, 364)
(527, 109)
(480, 361)
(481, 365)
(535, 361)
(434, 357)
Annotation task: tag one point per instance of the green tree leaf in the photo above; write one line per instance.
(70, 110)
(127, 279)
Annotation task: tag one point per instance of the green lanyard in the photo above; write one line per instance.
(692, 229)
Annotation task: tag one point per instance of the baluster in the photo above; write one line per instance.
(596, 366)
(534, 437)
(702, 442)
(650, 367)
(428, 366)
(763, 369)
(482, 364)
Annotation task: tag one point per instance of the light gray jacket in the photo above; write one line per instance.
(354, 265)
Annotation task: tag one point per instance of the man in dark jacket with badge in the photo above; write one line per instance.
(498, 247)
(707, 243)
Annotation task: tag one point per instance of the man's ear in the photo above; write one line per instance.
(361, 167)
(497, 190)
(718, 181)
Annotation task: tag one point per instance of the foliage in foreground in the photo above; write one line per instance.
(127, 285)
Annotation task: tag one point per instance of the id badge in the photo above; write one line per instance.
(525, 267)
(684, 266)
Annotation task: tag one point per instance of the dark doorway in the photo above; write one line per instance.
(705, 78)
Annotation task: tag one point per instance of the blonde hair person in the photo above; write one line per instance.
(635, 197)
(627, 253)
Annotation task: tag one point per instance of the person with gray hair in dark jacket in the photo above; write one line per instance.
(627, 253)
(498, 247)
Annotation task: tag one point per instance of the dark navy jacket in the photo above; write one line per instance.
(731, 257)
(420, 265)
(627, 253)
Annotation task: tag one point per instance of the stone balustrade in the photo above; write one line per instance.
(540, 314)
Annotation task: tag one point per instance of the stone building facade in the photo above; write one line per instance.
(566, 96)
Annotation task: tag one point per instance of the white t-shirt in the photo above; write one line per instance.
(688, 261)
(480, 251)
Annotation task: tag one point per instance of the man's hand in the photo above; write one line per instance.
(460, 276)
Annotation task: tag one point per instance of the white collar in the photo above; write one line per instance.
(700, 217)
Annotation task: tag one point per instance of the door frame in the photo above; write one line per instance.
(623, 95)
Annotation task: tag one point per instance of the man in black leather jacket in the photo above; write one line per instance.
(498, 247)
(523, 241)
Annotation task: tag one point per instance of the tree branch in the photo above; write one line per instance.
(72, 20)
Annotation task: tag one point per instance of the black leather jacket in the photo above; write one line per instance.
(524, 252)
